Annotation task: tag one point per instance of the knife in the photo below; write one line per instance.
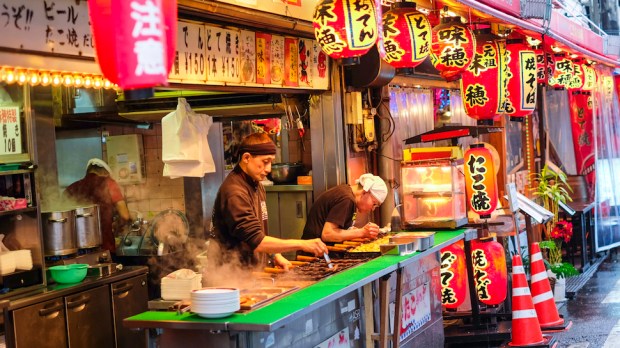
(328, 260)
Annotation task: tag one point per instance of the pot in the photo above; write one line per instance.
(286, 173)
(59, 236)
(87, 229)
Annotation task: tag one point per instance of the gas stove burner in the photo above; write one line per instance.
(88, 250)
(56, 258)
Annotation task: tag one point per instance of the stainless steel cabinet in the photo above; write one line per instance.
(129, 297)
(89, 319)
(41, 325)
(287, 206)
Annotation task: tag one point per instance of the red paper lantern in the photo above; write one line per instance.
(545, 65)
(406, 35)
(480, 184)
(521, 81)
(135, 41)
(482, 81)
(563, 72)
(578, 78)
(345, 29)
(452, 48)
(453, 276)
(490, 273)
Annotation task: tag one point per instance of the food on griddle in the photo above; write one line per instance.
(306, 258)
(371, 246)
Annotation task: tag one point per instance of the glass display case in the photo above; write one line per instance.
(433, 193)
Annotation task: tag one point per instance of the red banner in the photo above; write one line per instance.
(583, 135)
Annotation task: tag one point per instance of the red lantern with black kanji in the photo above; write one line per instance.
(345, 29)
(452, 48)
(521, 81)
(578, 78)
(563, 72)
(406, 35)
(480, 183)
(545, 65)
(490, 271)
(453, 276)
(135, 41)
(481, 82)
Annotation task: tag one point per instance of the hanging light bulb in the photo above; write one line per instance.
(21, 77)
(56, 80)
(34, 78)
(107, 84)
(88, 81)
(78, 81)
(67, 80)
(97, 83)
(46, 79)
(10, 76)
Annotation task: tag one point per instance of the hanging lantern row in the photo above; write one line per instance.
(521, 79)
(10, 75)
(452, 47)
(407, 35)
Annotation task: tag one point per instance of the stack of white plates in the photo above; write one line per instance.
(215, 302)
(178, 285)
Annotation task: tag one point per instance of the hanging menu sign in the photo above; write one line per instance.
(229, 56)
(10, 132)
(190, 64)
(56, 27)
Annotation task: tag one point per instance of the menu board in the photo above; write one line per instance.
(190, 64)
(10, 131)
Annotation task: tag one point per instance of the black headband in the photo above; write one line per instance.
(258, 149)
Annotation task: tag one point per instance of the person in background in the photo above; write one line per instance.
(97, 187)
(239, 222)
(334, 211)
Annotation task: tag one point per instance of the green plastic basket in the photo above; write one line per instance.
(69, 274)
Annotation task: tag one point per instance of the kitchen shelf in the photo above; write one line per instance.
(434, 194)
(18, 211)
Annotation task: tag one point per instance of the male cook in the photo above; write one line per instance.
(333, 213)
(240, 211)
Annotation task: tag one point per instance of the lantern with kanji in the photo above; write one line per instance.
(480, 183)
(490, 273)
(578, 78)
(563, 72)
(481, 82)
(135, 42)
(345, 29)
(452, 48)
(453, 276)
(589, 77)
(406, 35)
(545, 64)
(521, 83)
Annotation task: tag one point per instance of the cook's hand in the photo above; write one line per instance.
(370, 230)
(314, 246)
(281, 261)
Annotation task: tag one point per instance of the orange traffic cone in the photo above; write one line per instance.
(525, 326)
(541, 291)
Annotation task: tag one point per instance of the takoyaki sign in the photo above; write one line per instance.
(209, 54)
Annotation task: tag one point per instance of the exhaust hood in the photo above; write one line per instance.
(79, 106)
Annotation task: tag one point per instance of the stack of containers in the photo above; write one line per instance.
(179, 284)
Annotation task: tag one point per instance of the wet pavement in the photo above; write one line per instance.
(595, 310)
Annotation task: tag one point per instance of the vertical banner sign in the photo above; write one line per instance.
(480, 183)
(222, 54)
(583, 135)
(263, 58)
(320, 71)
(277, 60)
(490, 272)
(291, 59)
(589, 78)
(453, 276)
(11, 135)
(305, 62)
(190, 61)
(415, 310)
(248, 56)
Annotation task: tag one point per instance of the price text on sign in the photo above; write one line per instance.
(10, 132)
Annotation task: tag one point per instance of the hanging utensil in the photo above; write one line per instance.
(300, 129)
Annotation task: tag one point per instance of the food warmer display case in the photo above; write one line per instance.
(433, 188)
